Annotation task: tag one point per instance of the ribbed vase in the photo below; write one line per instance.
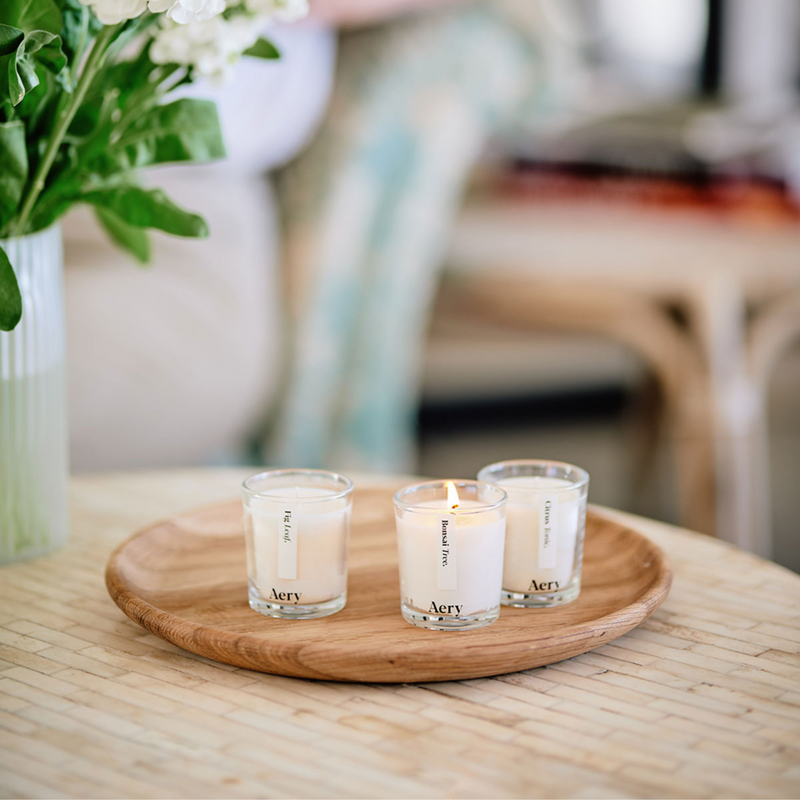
(33, 420)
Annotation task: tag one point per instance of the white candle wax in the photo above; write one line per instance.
(475, 549)
(307, 540)
(532, 562)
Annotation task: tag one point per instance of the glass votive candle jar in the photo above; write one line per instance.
(450, 537)
(297, 532)
(546, 519)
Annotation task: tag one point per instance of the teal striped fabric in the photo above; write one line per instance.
(367, 211)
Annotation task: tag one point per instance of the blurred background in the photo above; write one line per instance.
(450, 233)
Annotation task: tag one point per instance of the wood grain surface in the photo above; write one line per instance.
(184, 579)
(700, 700)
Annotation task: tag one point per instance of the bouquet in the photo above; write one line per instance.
(86, 101)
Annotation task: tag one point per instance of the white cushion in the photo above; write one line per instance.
(173, 364)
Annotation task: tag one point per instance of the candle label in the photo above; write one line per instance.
(287, 545)
(446, 571)
(548, 526)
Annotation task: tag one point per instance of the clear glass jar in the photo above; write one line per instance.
(33, 419)
(545, 526)
(297, 532)
(450, 546)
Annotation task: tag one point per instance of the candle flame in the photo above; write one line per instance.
(452, 495)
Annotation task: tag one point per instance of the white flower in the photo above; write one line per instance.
(212, 47)
(112, 12)
(279, 10)
(186, 11)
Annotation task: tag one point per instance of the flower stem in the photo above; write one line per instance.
(93, 63)
(78, 54)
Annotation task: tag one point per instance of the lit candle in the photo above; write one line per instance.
(546, 518)
(450, 537)
(297, 528)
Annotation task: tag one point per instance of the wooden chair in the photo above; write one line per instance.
(527, 268)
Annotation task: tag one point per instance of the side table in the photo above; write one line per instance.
(702, 700)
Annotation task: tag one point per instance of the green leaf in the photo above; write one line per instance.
(185, 130)
(145, 208)
(131, 82)
(13, 168)
(263, 48)
(10, 39)
(38, 108)
(10, 298)
(55, 201)
(48, 50)
(38, 45)
(31, 15)
(134, 240)
(79, 27)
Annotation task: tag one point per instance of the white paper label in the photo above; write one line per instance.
(446, 571)
(548, 528)
(287, 545)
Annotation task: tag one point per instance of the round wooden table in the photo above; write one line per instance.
(702, 700)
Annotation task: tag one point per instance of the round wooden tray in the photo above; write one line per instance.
(184, 579)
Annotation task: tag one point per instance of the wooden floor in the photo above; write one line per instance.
(703, 700)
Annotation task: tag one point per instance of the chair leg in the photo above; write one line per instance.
(644, 326)
(736, 403)
(773, 331)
